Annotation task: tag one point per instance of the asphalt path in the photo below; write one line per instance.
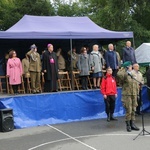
(85, 135)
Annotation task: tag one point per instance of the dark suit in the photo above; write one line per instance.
(112, 61)
(129, 55)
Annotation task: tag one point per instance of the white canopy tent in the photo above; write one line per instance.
(142, 54)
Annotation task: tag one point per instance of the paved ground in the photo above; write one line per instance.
(86, 135)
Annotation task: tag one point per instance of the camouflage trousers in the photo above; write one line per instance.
(130, 104)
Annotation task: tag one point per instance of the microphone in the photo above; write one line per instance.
(130, 74)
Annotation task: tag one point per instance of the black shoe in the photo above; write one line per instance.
(112, 118)
(34, 92)
(38, 91)
(16, 93)
(55, 91)
(128, 127)
(94, 87)
(133, 126)
(108, 119)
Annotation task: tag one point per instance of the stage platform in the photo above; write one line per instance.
(60, 107)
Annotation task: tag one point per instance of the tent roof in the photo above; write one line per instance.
(142, 53)
(57, 27)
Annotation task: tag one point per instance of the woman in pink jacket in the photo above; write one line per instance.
(14, 70)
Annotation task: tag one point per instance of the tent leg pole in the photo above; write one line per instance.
(72, 82)
(133, 42)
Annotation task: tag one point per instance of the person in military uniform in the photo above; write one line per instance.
(34, 69)
(130, 89)
(26, 73)
(25, 66)
(138, 76)
(74, 58)
(61, 60)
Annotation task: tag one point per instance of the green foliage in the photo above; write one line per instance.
(117, 15)
(12, 10)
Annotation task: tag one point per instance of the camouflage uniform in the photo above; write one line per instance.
(139, 77)
(130, 90)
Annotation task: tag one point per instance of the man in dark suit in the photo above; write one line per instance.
(111, 59)
(129, 53)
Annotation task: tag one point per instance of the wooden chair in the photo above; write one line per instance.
(42, 82)
(3, 84)
(76, 79)
(90, 81)
(21, 87)
(28, 85)
(64, 81)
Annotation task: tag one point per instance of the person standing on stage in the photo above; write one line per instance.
(74, 58)
(35, 69)
(129, 53)
(97, 64)
(111, 59)
(109, 91)
(14, 70)
(25, 66)
(50, 69)
(130, 89)
(138, 76)
(84, 67)
(61, 60)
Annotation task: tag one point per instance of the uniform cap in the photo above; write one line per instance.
(33, 46)
(126, 64)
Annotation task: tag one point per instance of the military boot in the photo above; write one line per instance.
(133, 126)
(128, 126)
(112, 118)
(108, 117)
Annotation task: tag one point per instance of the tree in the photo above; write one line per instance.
(127, 15)
(13, 10)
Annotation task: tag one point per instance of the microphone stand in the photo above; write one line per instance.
(143, 132)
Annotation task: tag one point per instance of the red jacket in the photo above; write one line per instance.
(108, 85)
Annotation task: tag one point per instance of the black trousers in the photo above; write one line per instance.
(110, 104)
(15, 89)
(114, 73)
(84, 82)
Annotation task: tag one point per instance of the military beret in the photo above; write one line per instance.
(33, 46)
(126, 64)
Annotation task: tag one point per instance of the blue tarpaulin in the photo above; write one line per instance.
(62, 107)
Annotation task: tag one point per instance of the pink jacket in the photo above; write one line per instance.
(14, 71)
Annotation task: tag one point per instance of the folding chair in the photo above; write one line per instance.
(76, 79)
(64, 81)
(3, 84)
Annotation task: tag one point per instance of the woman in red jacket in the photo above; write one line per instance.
(109, 91)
